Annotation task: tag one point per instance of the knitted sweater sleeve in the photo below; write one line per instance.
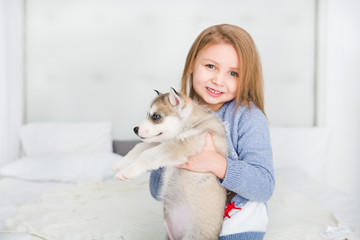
(155, 183)
(250, 171)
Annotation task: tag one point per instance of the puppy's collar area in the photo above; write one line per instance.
(191, 129)
(196, 124)
(187, 133)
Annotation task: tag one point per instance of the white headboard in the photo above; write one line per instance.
(100, 60)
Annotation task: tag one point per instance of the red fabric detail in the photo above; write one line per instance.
(228, 208)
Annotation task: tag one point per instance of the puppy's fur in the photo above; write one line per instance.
(175, 129)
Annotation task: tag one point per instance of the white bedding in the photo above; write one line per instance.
(15, 192)
(124, 210)
(90, 210)
(53, 206)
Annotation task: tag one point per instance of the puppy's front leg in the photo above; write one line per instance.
(132, 155)
(151, 159)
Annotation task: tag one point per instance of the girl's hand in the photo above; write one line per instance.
(208, 160)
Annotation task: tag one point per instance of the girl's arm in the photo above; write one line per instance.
(249, 172)
(208, 160)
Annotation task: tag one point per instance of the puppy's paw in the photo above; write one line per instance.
(120, 176)
(117, 166)
(125, 161)
(129, 172)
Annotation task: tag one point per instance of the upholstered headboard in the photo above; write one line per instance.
(122, 147)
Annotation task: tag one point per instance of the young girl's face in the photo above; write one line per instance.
(215, 74)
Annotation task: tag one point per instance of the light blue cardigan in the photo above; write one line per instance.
(249, 170)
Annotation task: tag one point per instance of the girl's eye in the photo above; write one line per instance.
(155, 117)
(234, 74)
(210, 66)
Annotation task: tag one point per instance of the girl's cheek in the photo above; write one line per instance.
(205, 75)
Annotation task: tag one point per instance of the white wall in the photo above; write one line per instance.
(91, 60)
(340, 76)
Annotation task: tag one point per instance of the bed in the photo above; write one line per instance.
(63, 188)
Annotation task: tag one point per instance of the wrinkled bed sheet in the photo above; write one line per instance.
(124, 210)
(15, 192)
(91, 210)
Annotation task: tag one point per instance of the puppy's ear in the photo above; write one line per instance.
(175, 98)
(158, 93)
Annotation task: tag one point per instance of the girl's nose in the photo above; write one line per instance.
(218, 79)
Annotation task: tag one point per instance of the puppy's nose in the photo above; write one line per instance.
(136, 129)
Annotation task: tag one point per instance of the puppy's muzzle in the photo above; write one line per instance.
(136, 130)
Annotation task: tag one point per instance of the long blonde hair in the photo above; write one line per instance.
(250, 87)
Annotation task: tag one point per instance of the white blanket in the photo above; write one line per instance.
(93, 210)
(125, 210)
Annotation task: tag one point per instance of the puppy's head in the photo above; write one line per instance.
(167, 114)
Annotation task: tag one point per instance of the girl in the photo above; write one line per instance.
(223, 72)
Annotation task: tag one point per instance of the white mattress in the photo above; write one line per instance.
(114, 210)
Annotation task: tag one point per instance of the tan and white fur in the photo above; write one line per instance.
(174, 130)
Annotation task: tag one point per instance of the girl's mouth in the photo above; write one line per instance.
(213, 92)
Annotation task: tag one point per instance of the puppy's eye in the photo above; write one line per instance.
(155, 117)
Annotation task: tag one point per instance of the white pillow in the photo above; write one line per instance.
(64, 167)
(303, 148)
(61, 137)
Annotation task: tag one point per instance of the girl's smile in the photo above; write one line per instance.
(215, 74)
(214, 92)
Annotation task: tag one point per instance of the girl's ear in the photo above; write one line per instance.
(190, 70)
(175, 98)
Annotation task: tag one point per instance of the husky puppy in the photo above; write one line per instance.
(175, 129)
